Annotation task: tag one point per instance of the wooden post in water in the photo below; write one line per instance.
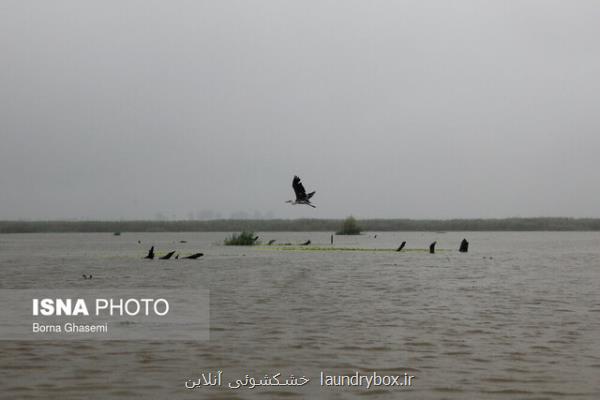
(332, 239)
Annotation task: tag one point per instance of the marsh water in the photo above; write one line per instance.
(516, 317)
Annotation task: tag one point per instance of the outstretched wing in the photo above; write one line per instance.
(150, 253)
(299, 189)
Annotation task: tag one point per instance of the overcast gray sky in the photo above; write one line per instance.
(413, 109)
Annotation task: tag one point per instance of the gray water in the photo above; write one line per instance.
(516, 317)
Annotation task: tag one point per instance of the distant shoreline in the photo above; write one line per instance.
(298, 225)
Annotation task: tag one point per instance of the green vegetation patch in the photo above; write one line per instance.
(242, 239)
(318, 249)
(349, 227)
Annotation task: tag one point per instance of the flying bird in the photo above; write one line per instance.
(301, 196)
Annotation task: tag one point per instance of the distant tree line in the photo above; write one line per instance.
(237, 225)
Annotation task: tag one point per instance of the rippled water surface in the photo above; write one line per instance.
(516, 317)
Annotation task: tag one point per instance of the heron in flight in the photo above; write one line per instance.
(301, 196)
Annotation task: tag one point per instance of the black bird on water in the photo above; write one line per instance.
(301, 196)
(167, 256)
(464, 246)
(194, 256)
(150, 255)
(432, 247)
(401, 246)
(87, 277)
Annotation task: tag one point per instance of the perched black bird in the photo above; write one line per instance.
(432, 247)
(150, 255)
(305, 243)
(167, 256)
(194, 256)
(301, 196)
(401, 246)
(464, 246)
